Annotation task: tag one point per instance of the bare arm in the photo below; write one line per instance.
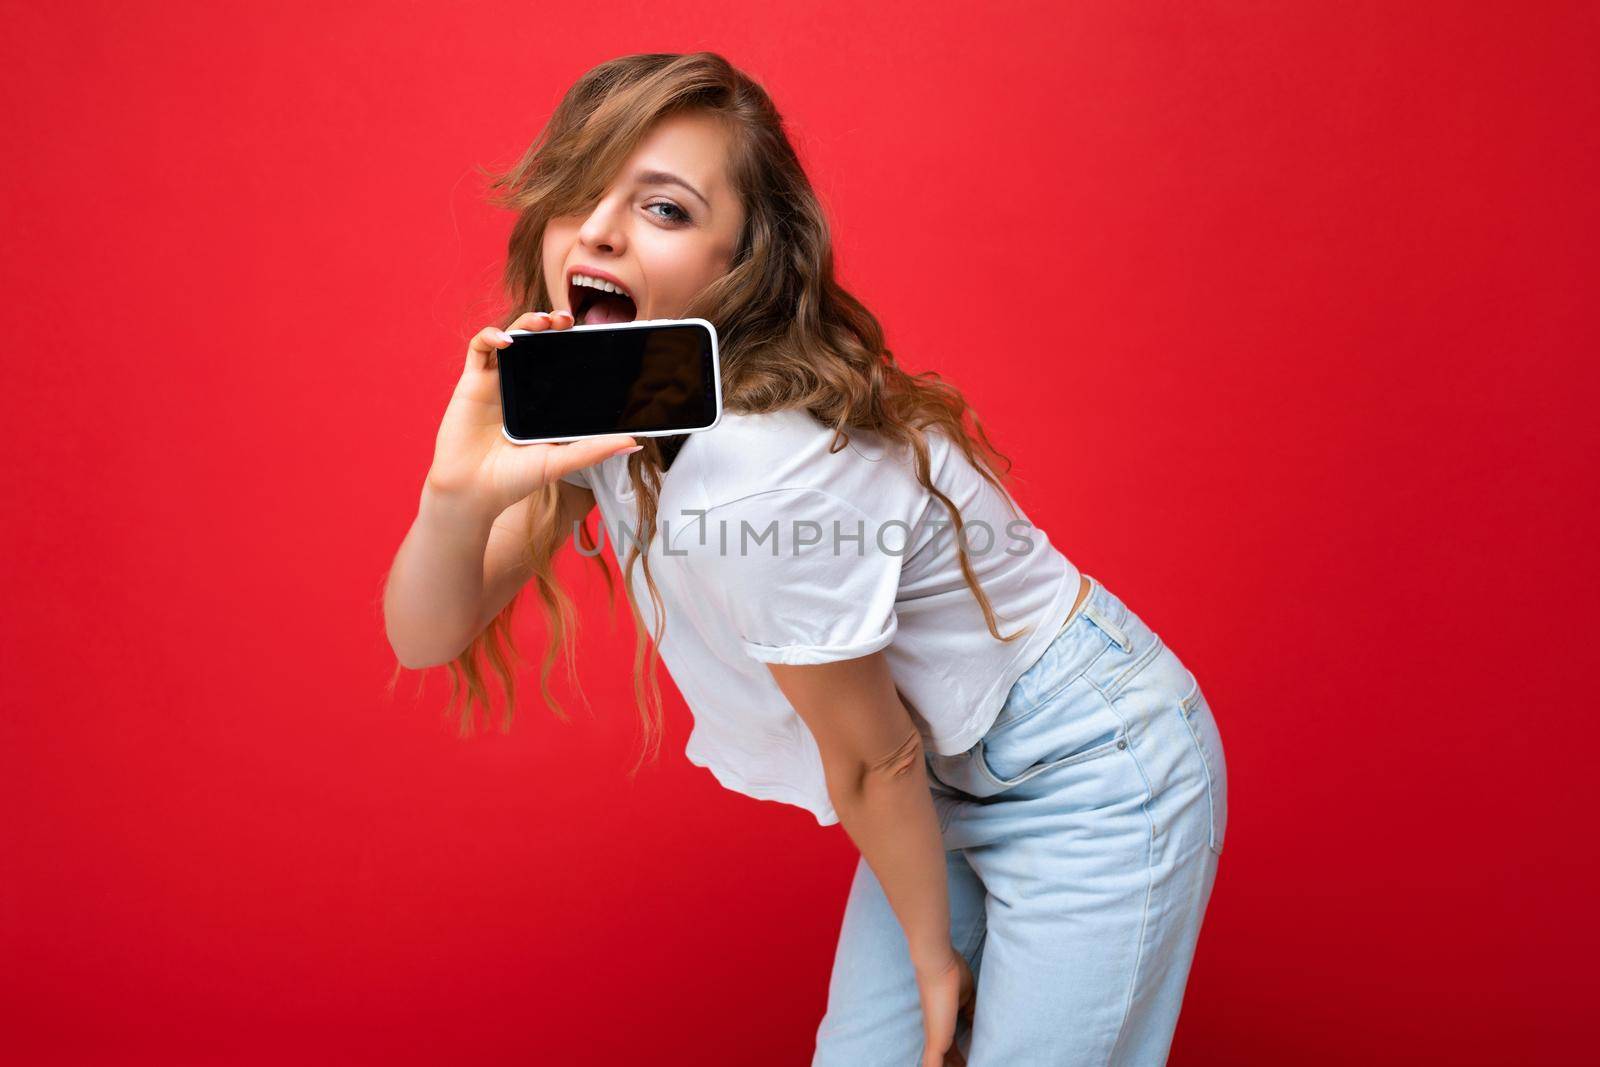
(463, 559)
(506, 563)
(872, 758)
(457, 569)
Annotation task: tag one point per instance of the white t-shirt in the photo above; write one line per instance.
(769, 549)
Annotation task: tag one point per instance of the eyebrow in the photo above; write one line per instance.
(661, 177)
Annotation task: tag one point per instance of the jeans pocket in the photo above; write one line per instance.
(1069, 727)
(1202, 727)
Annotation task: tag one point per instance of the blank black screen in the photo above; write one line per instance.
(561, 383)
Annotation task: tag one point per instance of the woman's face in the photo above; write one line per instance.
(660, 240)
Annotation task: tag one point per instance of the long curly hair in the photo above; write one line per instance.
(789, 337)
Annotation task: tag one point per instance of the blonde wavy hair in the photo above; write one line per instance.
(789, 337)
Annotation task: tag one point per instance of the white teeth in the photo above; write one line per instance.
(596, 283)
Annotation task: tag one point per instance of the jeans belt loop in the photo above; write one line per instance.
(1111, 629)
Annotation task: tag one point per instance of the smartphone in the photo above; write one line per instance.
(648, 378)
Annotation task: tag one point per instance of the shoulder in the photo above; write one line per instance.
(790, 454)
(745, 440)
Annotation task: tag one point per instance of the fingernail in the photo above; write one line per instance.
(506, 337)
(625, 451)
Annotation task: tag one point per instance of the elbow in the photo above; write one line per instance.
(900, 763)
(864, 776)
(413, 663)
(415, 656)
(424, 640)
(407, 656)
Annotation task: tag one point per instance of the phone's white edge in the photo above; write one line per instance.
(716, 381)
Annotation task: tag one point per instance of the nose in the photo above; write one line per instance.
(602, 230)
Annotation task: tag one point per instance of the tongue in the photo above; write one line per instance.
(608, 308)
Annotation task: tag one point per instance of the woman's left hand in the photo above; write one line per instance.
(947, 989)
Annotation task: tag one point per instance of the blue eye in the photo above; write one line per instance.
(684, 215)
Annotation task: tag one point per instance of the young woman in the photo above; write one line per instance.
(1039, 811)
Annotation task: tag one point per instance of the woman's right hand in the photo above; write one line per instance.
(472, 457)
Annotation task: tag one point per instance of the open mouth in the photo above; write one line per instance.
(592, 306)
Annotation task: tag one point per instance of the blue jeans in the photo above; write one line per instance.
(1082, 835)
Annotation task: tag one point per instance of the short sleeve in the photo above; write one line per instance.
(803, 575)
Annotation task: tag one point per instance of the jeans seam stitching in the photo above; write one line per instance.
(1038, 701)
(1211, 785)
(1149, 871)
(1134, 669)
(1192, 697)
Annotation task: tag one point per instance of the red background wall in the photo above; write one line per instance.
(1315, 281)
